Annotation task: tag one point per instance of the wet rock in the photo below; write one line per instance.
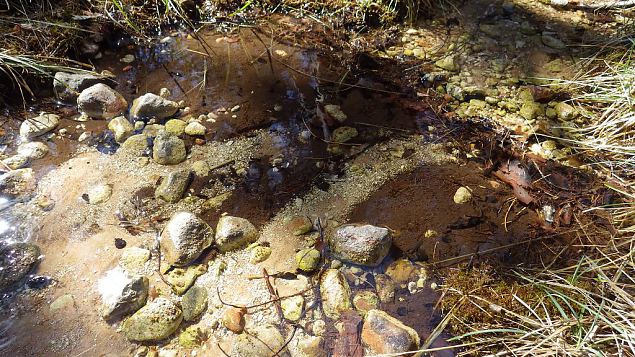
(63, 302)
(133, 260)
(19, 184)
(16, 162)
(184, 238)
(191, 337)
(365, 301)
(234, 319)
(309, 346)
(122, 128)
(194, 303)
(292, 307)
(550, 40)
(181, 279)
(361, 244)
(234, 233)
(121, 294)
(402, 271)
(448, 63)
(259, 342)
(335, 111)
(308, 260)
(385, 287)
(259, 254)
(173, 186)
(155, 321)
(343, 134)
(195, 129)
(153, 106)
(136, 145)
(16, 262)
(565, 111)
(384, 334)
(168, 149)
(175, 126)
(462, 196)
(300, 225)
(335, 293)
(33, 150)
(99, 193)
(101, 102)
(67, 86)
(39, 125)
(531, 110)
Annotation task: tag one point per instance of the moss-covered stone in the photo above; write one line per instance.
(194, 303)
(308, 260)
(180, 279)
(155, 321)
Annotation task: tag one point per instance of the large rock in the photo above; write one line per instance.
(259, 342)
(184, 238)
(121, 294)
(155, 321)
(173, 186)
(168, 149)
(136, 145)
(384, 334)
(16, 261)
(151, 105)
(194, 303)
(234, 233)
(33, 150)
(122, 128)
(67, 86)
(18, 184)
(101, 102)
(361, 244)
(335, 293)
(39, 125)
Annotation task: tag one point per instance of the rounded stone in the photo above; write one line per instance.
(384, 334)
(361, 244)
(335, 293)
(234, 232)
(168, 149)
(234, 319)
(173, 186)
(136, 145)
(16, 261)
(195, 129)
(462, 196)
(100, 101)
(175, 126)
(39, 125)
(155, 321)
(99, 193)
(184, 238)
(33, 150)
(151, 105)
(194, 303)
(308, 260)
(122, 128)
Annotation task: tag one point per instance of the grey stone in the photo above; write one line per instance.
(121, 294)
(195, 129)
(67, 86)
(18, 184)
(184, 238)
(234, 233)
(168, 149)
(122, 128)
(155, 321)
(194, 303)
(151, 105)
(16, 261)
(361, 244)
(16, 161)
(33, 150)
(101, 102)
(39, 125)
(173, 186)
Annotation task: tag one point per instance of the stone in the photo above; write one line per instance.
(151, 105)
(121, 294)
(260, 341)
(18, 184)
(308, 260)
(319, 327)
(168, 149)
(194, 303)
(335, 111)
(152, 130)
(361, 244)
(192, 337)
(343, 134)
(184, 238)
(233, 233)
(300, 225)
(448, 63)
(17, 260)
(565, 111)
(385, 287)
(165, 92)
(402, 271)
(63, 302)
(153, 322)
(133, 260)
(33, 150)
(234, 319)
(181, 279)
(309, 346)
(259, 254)
(101, 102)
(173, 186)
(39, 125)
(67, 86)
(531, 110)
(129, 58)
(335, 293)
(384, 334)
(195, 129)
(175, 126)
(99, 193)
(200, 168)
(122, 128)
(550, 40)
(136, 145)
(16, 162)
(292, 307)
(365, 301)
(462, 196)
